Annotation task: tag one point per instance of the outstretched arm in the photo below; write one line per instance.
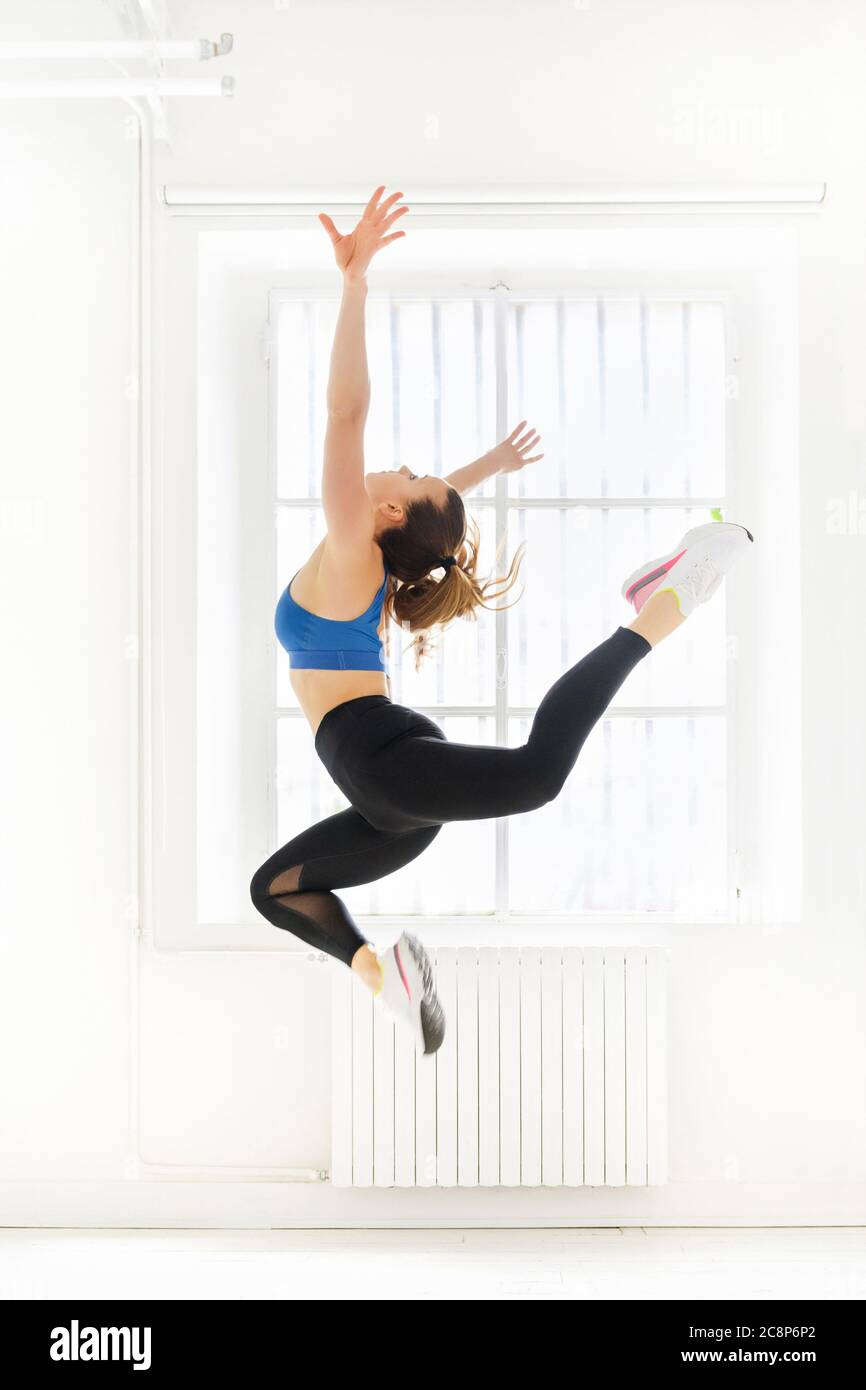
(348, 395)
(347, 509)
(513, 453)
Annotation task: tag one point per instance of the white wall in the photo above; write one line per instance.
(64, 580)
(234, 1064)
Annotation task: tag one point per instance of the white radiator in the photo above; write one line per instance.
(553, 1072)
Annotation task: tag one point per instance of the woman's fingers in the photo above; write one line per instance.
(389, 221)
(395, 236)
(374, 200)
(388, 204)
(522, 439)
(329, 227)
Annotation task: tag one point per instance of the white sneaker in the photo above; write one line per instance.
(408, 994)
(693, 571)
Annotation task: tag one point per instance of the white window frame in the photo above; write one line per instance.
(171, 920)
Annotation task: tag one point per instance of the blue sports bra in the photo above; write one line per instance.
(328, 644)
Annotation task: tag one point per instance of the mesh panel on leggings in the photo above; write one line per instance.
(319, 918)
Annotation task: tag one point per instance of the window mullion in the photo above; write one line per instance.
(605, 504)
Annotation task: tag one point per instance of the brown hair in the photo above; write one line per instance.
(427, 536)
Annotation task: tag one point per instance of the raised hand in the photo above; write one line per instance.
(514, 452)
(354, 251)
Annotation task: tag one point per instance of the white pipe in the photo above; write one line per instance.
(78, 87)
(494, 199)
(218, 1172)
(116, 48)
(140, 407)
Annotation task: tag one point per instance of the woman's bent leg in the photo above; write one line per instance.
(434, 780)
(293, 888)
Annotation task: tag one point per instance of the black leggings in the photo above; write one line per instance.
(404, 779)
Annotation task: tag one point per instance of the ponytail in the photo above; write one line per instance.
(435, 539)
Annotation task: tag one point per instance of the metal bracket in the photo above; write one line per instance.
(209, 49)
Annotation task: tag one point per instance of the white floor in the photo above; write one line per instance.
(460, 1264)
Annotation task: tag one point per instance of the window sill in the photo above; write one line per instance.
(599, 929)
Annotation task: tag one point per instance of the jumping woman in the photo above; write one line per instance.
(399, 547)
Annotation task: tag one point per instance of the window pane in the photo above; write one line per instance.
(640, 825)
(576, 561)
(305, 792)
(467, 415)
(304, 333)
(454, 875)
(433, 397)
(629, 396)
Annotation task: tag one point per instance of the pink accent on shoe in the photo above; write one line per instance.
(642, 589)
(402, 971)
(647, 591)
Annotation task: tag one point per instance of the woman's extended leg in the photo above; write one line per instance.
(423, 780)
(293, 888)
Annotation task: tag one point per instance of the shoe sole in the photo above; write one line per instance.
(655, 569)
(407, 1015)
(427, 1010)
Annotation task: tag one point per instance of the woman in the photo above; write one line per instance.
(398, 547)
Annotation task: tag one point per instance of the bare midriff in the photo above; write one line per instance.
(321, 691)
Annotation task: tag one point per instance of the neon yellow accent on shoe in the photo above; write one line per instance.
(716, 513)
(377, 992)
(673, 591)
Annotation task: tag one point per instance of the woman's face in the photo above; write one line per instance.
(396, 488)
